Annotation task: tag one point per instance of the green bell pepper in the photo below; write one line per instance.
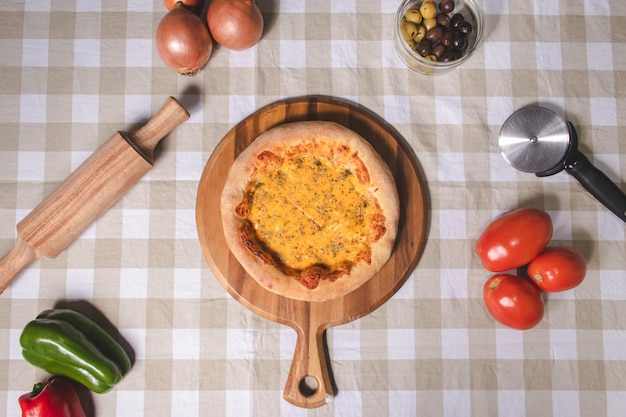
(65, 342)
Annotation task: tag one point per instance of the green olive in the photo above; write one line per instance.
(430, 57)
(419, 35)
(428, 9)
(429, 23)
(409, 29)
(413, 15)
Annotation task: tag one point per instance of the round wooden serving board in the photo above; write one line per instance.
(309, 381)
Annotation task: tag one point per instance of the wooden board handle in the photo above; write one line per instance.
(308, 384)
(88, 192)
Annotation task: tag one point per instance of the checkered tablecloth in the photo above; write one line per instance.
(74, 72)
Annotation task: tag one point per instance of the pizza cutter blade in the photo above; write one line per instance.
(537, 140)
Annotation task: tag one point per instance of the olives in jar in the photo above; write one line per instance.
(436, 31)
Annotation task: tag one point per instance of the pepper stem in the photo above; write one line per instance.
(38, 387)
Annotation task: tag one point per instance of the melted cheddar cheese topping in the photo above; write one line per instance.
(310, 211)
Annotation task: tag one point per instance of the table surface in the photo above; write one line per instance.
(73, 73)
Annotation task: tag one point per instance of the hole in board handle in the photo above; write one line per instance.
(308, 386)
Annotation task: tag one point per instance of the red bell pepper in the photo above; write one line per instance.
(54, 398)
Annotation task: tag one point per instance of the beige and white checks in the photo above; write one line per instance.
(74, 72)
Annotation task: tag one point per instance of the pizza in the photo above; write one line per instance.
(310, 210)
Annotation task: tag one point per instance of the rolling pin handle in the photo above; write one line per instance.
(15, 261)
(146, 138)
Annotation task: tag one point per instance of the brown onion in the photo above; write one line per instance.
(235, 24)
(183, 41)
(193, 5)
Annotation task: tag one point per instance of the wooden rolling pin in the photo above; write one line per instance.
(88, 192)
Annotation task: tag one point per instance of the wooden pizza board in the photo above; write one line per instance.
(309, 381)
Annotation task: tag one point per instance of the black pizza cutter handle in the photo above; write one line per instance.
(594, 180)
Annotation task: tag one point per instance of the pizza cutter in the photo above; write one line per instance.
(537, 140)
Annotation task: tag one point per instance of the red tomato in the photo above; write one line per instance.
(514, 239)
(557, 269)
(513, 301)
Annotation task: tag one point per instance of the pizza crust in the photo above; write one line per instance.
(376, 177)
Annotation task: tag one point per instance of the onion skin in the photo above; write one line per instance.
(193, 5)
(235, 24)
(183, 41)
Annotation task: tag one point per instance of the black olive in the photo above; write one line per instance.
(465, 27)
(443, 20)
(447, 38)
(424, 47)
(438, 50)
(450, 56)
(434, 34)
(446, 6)
(456, 20)
(459, 42)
